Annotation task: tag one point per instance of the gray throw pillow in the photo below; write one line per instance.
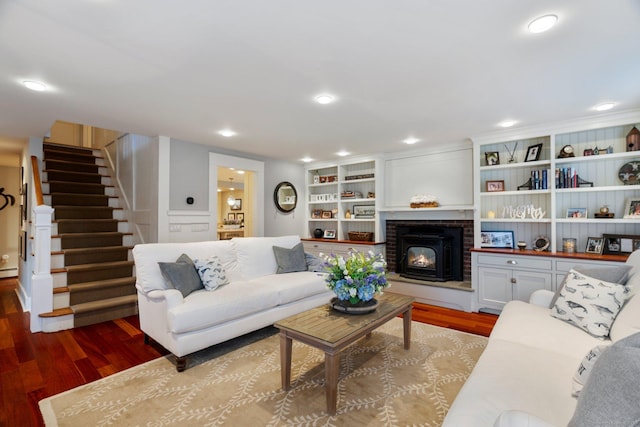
(181, 275)
(290, 260)
(611, 395)
(314, 263)
(608, 274)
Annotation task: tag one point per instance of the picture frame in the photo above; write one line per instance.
(240, 216)
(231, 216)
(492, 158)
(329, 234)
(619, 244)
(364, 211)
(494, 185)
(595, 245)
(316, 213)
(632, 208)
(576, 213)
(497, 239)
(533, 153)
(326, 214)
(237, 205)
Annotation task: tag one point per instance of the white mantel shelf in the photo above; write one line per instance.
(450, 212)
(459, 208)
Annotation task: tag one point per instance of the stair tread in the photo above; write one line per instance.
(98, 265)
(119, 281)
(80, 220)
(93, 234)
(99, 248)
(76, 172)
(71, 162)
(106, 303)
(88, 184)
(57, 312)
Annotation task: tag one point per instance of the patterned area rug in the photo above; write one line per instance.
(238, 383)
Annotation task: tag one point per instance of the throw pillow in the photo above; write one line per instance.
(290, 260)
(181, 275)
(589, 303)
(211, 272)
(610, 396)
(585, 368)
(609, 274)
(314, 263)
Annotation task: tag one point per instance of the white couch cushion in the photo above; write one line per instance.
(292, 287)
(628, 320)
(255, 255)
(533, 326)
(147, 256)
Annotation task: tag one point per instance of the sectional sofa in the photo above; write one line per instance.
(255, 286)
(538, 358)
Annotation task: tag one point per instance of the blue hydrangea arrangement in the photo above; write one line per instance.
(358, 277)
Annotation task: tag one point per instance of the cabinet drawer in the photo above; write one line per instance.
(565, 266)
(515, 261)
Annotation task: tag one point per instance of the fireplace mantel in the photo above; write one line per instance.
(452, 212)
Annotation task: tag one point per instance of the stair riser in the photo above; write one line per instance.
(96, 257)
(100, 294)
(87, 227)
(55, 324)
(56, 243)
(72, 187)
(122, 227)
(73, 177)
(74, 277)
(80, 213)
(60, 300)
(90, 318)
(48, 146)
(71, 167)
(78, 200)
(69, 157)
(70, 241)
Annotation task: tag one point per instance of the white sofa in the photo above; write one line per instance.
(255, 296)
(525, 375)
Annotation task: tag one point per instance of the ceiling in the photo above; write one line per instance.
(437, 70)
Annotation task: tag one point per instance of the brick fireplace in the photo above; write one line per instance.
(394, 253)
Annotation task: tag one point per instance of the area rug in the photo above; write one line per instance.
(380, 384)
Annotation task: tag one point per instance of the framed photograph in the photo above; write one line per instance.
(577, 213)
(364, 211)
(594, 245)
(240, 216)
(326, 214)
(237, 205)
(533, 153)
(620, 244)
(329, 234)
(496, 239)
(316, 213)
(632, 209)
(492, 158)
(494, 186)
(231, 216)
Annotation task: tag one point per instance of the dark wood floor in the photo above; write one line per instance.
(35, 366)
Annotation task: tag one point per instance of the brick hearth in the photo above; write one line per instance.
(467, 226)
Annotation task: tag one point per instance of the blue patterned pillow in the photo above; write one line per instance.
(589, 303)
(211, 272)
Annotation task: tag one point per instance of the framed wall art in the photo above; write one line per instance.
(533, 153)
(492, 158)
(495, 185)
(594, 245)
(496, 239)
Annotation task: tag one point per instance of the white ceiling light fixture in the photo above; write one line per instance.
(324, 98)
(33, 85)
(306, 159)
(343, 153)
(542, 24)
(507, 123)
(240, 172)
(411, 140)
(227, 133)
(604, 106)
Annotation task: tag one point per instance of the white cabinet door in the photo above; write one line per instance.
(526, 282)
(494, 287)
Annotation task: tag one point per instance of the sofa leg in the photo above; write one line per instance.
(181, 363)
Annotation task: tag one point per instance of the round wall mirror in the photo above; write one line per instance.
(285, 197)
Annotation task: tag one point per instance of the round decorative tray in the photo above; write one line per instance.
(363, 307)
(629, 173)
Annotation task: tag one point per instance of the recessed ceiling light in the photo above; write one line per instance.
(325, 98)
(411, 140)
(543, 23)
(37, 86)
(307, 159)
(343, 153)
(507, 123)
(604, 106)
(227, 133)
(240, 172)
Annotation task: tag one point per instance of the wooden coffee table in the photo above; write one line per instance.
(331, 331)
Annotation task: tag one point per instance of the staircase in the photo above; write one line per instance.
(91, 260)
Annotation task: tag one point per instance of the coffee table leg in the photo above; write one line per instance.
(285, 360)
(331, 369)
(406, 322)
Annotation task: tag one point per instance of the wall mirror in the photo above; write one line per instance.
(285, 197)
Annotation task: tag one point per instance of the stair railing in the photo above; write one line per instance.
(41, 279)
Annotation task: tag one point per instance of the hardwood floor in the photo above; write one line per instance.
(37, 365)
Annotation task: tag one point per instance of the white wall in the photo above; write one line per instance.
(9, 221)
